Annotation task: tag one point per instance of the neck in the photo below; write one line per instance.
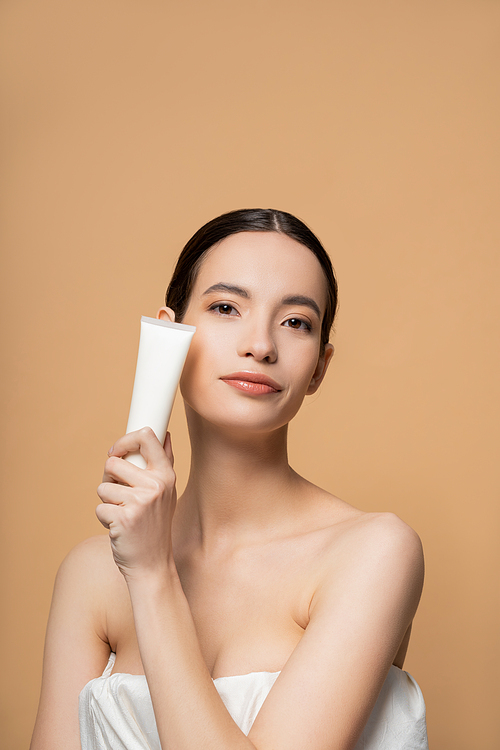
(239, 484)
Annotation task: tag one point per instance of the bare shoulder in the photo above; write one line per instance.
(374, 547)
(89, 560)
(364, 532)
(373, 551)
(396, 548)
(388, 534)
(89, 570)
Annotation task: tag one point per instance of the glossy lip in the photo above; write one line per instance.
(253, 377)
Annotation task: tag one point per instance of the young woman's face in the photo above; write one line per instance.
(257, 305)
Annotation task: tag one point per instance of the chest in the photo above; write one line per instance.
(250, 611)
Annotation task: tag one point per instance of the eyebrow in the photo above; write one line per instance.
(294, 299)
(221, 287)
(300, 299)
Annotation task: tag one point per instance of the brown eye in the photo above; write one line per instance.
(297, 324)
(223, 308)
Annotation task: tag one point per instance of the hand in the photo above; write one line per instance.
(138, 504)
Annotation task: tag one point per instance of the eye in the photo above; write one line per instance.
(223, 308)
(297, 324)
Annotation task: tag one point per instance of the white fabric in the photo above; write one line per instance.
(116, 711)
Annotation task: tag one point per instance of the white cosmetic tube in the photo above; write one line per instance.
(163, 347)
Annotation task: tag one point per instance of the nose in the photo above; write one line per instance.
(257, 341)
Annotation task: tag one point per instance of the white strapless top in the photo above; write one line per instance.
(116, 711)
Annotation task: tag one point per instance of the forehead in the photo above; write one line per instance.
(264, 262)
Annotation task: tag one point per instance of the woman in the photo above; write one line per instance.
(256, 590)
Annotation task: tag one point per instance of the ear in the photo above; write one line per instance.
(166, 313)
(320, 370)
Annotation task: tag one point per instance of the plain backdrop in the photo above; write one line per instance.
(125, 126)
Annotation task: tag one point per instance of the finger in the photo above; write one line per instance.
(107, 514)
(146, 442)
(167, 447)
(115, 494)
(123, 472)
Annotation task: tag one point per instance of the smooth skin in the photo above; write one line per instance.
(254, 568)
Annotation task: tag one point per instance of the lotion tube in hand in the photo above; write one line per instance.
(163, 347)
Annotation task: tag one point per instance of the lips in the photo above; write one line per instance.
(252, 382)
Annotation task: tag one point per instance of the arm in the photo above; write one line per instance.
(361, 610)
(75, 646)
(359, 616)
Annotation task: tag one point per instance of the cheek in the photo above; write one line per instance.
(201, 362)
(302, 365)
(192, 365)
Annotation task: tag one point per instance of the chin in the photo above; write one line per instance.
(248, 418)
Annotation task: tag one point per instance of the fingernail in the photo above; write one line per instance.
(110, 450)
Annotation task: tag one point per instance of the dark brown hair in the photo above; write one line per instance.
(247, 220)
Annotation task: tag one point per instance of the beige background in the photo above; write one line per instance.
(126, 125)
